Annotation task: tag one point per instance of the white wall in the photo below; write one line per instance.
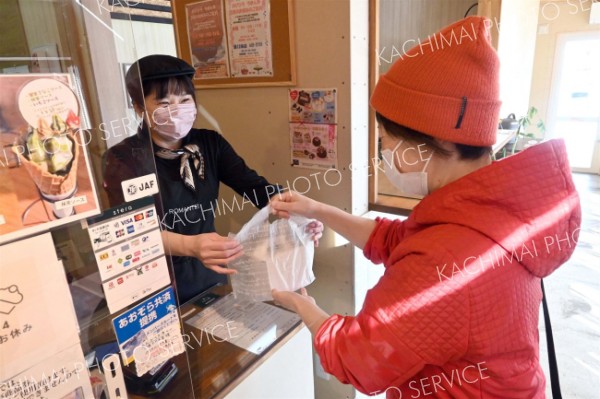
(516, 48)
(255, 121)
(142, 39)
(555, 18)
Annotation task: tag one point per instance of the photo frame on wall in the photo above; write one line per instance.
(237, 43)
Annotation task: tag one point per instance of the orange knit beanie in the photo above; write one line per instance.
(446, 87)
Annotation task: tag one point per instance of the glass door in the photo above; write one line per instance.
(574, 112)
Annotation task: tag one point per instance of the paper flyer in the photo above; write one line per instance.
(252, 326)
(37, 318)
(249, 38)
(45, 173)
(313, 146)
(128, 248)
(61, 376)
(313, 106)
(150, 333)
(207, 41)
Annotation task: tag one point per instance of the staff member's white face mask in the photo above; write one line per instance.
(174, 121)
(411, 183)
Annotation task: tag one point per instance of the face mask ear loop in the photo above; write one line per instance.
(428, 160)
(394, 154)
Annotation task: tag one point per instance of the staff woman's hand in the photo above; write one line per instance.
(290, 202)
(216, 251)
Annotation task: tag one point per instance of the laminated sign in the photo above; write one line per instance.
(276, 255)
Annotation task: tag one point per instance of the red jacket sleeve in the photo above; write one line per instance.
(409, 319)
(386, 235)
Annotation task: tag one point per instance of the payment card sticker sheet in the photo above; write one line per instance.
(129, 252)
(150, 333)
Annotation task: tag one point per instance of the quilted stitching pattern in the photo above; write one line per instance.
(462, 284)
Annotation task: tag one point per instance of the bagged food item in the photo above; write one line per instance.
(276, 255)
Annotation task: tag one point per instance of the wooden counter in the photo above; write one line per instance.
(216, 367)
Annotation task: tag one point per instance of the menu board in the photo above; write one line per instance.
(45, 173)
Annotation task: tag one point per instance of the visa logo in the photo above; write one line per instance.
(126, 221)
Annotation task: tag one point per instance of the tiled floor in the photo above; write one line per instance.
(573, 293)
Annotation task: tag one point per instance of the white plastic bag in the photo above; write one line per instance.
(276, 255)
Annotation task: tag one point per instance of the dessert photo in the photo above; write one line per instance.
(45, 175)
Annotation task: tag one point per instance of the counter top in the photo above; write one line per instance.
(217, 366)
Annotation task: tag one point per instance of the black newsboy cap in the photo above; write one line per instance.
(159, 66)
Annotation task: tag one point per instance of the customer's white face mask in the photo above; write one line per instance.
(410, 183)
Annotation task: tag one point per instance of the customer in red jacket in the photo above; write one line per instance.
(456, 313)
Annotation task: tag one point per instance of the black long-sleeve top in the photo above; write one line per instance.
(185, 211)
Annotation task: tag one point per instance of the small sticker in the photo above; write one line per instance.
(139, 187)
(70, 202)
(2, 220)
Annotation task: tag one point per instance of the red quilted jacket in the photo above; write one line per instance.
(456, 313)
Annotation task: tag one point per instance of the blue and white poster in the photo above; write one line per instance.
(149, 333)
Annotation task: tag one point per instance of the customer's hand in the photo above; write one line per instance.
(216, 251)
(291, 202)
(316, 229)
(291, 300)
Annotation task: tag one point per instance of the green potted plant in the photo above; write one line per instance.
(521, 137)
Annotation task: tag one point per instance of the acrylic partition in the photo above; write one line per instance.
(87, 298)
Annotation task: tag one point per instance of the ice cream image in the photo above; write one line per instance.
(50, 156)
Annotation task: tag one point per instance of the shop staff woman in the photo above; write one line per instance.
(190, 164)
(461, 292)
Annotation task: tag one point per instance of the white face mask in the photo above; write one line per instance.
(174, 121)
(410, 183)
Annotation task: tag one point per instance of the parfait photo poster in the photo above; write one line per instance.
(45, 174)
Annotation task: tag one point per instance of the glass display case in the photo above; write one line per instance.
(88, 303)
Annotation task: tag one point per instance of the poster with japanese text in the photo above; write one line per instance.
(129, 252)
(207, 41)
(37, 318)
(150, 333)
(45, 173)
(61, 376)
(249, 38)
(313, 105)
(313, 146)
